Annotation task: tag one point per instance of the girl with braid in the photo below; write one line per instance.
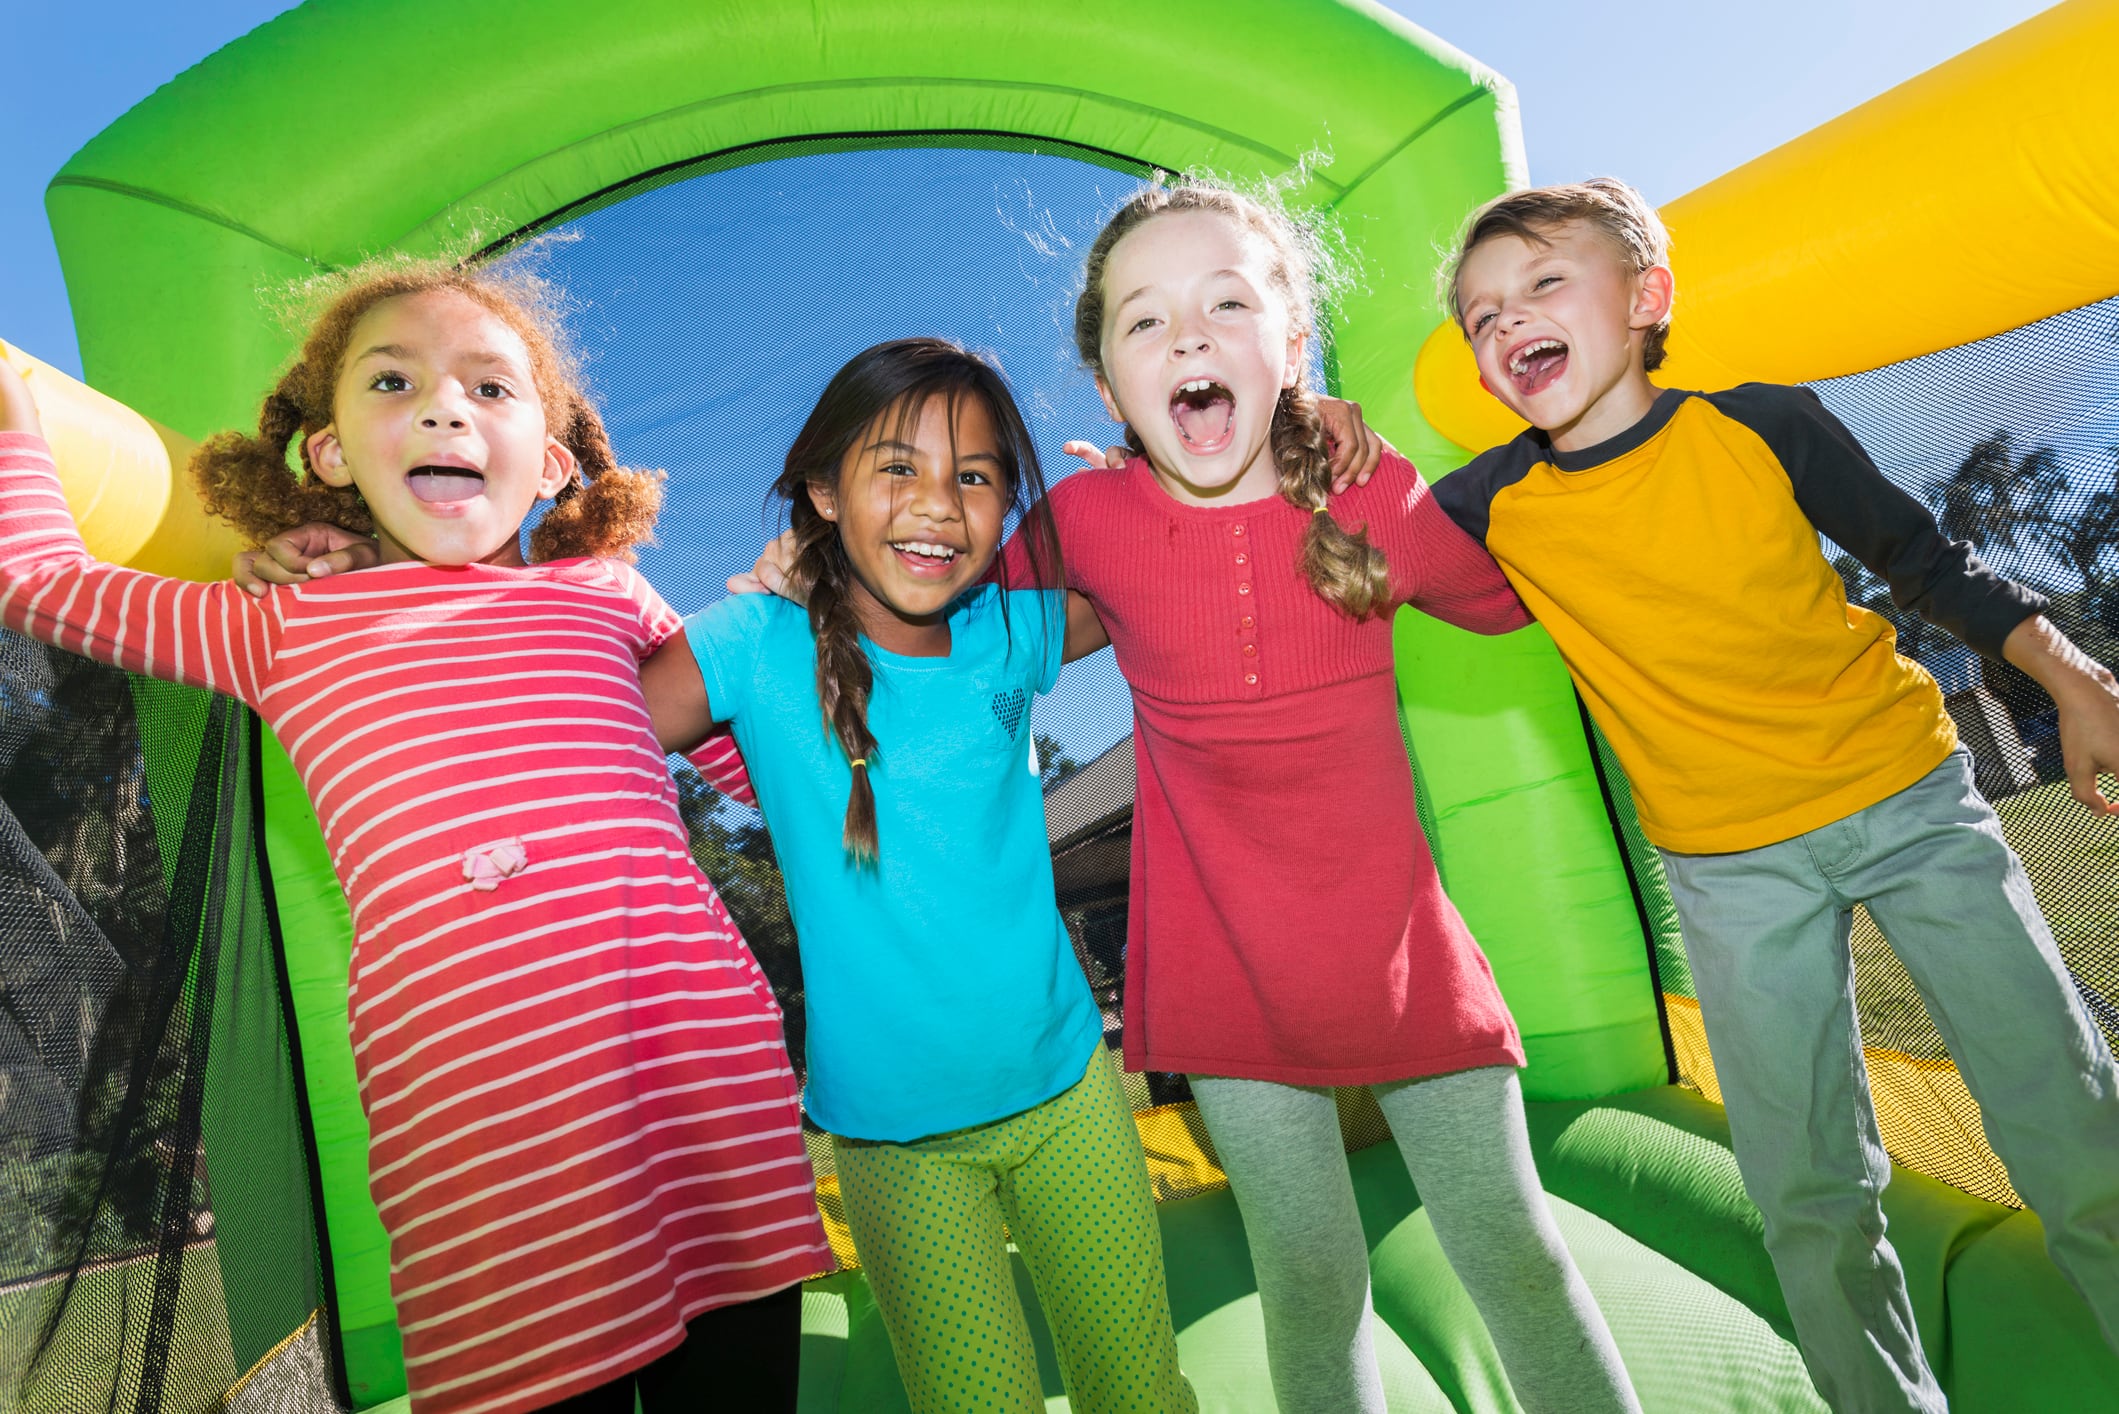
(955, 1053)
(1288, 932)
(584, 1138)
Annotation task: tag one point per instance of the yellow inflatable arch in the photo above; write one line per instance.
(1972, 199)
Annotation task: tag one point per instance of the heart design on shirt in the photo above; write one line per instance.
(1008, 710)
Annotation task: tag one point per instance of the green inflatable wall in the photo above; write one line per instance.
(344, 129)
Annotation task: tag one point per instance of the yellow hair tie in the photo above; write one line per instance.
(1317, 510)
(859, 761)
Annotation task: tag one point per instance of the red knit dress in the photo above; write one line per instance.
(583, 1129)
(1286, 922)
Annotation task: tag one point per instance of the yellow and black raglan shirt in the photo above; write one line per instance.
(1677, 567)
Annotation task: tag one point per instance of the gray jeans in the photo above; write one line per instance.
(1463, 1138)
(1766, 931)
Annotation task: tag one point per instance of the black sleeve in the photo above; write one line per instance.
(1845, 496)
(1466, 495)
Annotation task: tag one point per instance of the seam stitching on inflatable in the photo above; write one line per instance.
(187, 208)
(1410, 138)
(1219, 135)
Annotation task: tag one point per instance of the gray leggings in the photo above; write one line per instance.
(1464, 1141)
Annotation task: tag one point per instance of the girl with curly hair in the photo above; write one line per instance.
(584, 1138)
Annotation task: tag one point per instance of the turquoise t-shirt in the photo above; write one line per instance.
(941, 988)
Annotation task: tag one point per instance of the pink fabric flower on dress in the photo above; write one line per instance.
(487, 865)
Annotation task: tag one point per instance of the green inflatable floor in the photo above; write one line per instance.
(1646, 1193)
(1688, 1345)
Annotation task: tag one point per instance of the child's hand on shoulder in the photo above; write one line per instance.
(302, 554)
(18, 410)
(1095, 458)
(1357, 449)
(769, 575)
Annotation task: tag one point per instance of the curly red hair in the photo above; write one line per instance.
(604, 510)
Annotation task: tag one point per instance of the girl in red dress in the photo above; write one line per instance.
(1288, 933)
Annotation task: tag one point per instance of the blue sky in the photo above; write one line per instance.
(1709, 86)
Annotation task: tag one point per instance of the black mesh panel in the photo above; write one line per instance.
(159, 1240)
(2013, 442)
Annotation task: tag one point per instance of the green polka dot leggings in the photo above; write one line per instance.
(1070, 1183)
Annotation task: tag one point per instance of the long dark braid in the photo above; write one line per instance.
(895, 381)
(844, 674)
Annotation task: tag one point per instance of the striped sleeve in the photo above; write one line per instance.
(202, 635)
(718, 761)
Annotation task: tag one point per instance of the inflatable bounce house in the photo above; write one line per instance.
(740, 196)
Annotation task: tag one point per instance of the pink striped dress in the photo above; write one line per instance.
(583, 1126)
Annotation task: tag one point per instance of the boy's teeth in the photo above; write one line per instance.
(1523, 356)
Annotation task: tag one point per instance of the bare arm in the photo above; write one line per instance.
(676, 695)
(2088, 698)
(1085, 629)
(18, 410)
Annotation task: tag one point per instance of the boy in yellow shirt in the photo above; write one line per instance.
(1787, 761)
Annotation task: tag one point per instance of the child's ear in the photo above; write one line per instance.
(1103, 390)
(560, 464)
(1298, 343)
(1654, 292)
(822, 498)
(326, 457)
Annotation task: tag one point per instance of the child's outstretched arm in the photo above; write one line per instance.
(2088, 698)
(18, 410)
(52, 590)
(1847, 497)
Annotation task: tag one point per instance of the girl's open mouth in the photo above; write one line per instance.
(1536, 366)
(925, 558)
(445, 483)
(1205, 414)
